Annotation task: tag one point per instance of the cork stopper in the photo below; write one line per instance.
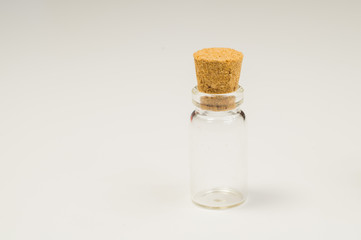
(218, 103)
(218, 69)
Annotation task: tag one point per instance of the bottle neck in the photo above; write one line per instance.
(218, 113)
(217, 104)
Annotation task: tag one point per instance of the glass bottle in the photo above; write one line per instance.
(217, 150)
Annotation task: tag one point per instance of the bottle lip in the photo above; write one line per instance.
(219, 101)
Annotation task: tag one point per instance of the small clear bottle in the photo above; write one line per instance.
(218, 150)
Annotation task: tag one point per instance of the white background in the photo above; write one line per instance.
(95, 103)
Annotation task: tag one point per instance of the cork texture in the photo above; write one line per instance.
(218, 103)
(218, 69)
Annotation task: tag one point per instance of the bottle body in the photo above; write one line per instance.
(218, 151)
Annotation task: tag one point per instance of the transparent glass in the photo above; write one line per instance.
(218, 150)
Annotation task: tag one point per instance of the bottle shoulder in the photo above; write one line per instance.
(238, 115)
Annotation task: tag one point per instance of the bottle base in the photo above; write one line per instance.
(219, 198)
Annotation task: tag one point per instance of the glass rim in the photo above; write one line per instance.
(218, 101)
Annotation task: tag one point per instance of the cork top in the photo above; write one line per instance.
(218, 54)
(218, 69)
